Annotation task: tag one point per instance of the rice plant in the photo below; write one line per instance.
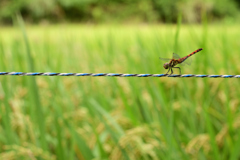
(118, 118)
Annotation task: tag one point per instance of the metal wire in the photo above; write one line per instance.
(116, 75)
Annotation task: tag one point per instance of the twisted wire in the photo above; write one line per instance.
(116, 75)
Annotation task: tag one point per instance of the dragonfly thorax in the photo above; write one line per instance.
(171, 64)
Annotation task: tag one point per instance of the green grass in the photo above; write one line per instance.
(119, 118)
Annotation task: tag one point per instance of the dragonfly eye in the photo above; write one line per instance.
(165, 65)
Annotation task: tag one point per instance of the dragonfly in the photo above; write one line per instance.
(176, 59)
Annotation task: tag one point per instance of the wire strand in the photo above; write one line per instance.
(116, 75)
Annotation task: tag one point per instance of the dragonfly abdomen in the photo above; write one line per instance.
(186, 57)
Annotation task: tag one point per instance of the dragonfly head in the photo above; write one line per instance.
(166, 65)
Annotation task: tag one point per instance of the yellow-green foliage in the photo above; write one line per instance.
(119, 118)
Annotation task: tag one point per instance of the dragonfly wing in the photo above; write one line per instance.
(175, 56)
(187, 61)
(182, 64)
(165, 59)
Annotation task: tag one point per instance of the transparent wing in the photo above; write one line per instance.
(165, 59)
(187, 61)
(175, 56)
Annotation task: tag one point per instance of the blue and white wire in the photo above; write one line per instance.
(116, 75)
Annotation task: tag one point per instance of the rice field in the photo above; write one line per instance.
(114, 117)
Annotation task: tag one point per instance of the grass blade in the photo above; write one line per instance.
(37, 112)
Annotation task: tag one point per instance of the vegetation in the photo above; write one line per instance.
(95, 11)
(119, 118)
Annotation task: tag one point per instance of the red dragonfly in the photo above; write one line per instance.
(176, 59)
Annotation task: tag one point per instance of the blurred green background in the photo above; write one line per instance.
(119, 11)
(115, 117)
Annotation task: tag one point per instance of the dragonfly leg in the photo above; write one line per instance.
(171, 71)
(168, 71)
(179, 69)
